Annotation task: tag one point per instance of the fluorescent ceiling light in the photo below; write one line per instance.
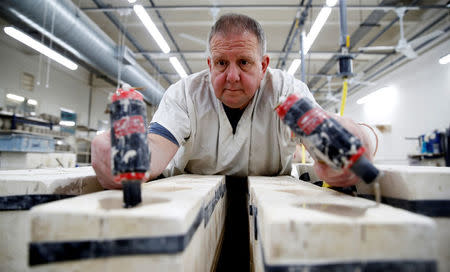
(27, 40)
(380, 94)
(177, 65)
(314, 32)
(67, 123)
(131, 1)
(32, 102)
(316, 28)
(445, 59)
(331, 3)
(294, 66)
(151, 27)
(15, 97)
(47, 34)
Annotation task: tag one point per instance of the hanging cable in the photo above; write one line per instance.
(44, 22)
(50, 46)
(344, 96)
(121, 51)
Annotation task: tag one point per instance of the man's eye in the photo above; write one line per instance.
(221, 62)
(244, 62)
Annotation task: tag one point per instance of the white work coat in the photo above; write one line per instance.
(261, 144)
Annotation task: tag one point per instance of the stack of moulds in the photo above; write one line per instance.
(420, 189)
(177, 227)
(297, 226)
(20, 190)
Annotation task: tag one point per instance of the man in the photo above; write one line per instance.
(221, 120)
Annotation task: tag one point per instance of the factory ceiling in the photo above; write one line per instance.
(185, 26)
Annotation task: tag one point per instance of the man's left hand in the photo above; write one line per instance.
(345, 177)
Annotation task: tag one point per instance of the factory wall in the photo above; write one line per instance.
(67, 89)
(418, 103)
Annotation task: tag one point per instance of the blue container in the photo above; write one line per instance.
(435, 142)
(26, 143)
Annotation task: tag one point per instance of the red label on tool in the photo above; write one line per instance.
(311, 119)
(356, 156)
(129, 176)
(129, 125)
(286, 105)
(131, 94)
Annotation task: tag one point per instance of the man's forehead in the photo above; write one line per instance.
(223, 55)
(246, 35)
(240, 43)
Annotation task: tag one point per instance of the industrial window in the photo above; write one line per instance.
(27, 82)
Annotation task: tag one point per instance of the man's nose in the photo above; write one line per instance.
(233, 73)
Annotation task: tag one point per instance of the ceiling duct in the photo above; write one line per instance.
(74, 28)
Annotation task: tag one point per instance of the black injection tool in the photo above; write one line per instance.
(326, 139)
(130, 154)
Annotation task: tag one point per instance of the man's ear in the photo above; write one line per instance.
(264, 64)
(209, 63)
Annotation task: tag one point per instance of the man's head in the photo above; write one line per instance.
(236, 59)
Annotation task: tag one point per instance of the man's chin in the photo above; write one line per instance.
(233, 104)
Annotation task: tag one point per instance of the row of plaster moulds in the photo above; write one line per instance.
(177, 227)
(420, 189)
(296, 225)
(20, 190)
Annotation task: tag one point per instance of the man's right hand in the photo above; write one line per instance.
(101, 160)
(162, 151)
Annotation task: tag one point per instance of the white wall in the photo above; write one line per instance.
(67, 89)
(419, 104)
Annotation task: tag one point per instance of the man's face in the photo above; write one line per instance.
(236, 67)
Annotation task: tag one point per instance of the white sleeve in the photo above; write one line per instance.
(172, 112)
(301, 87)
(297, 86)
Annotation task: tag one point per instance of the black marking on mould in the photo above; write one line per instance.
(318, 183)
(305, 177)
(26, 202)
(51, 252)
(209, 208)
(433, 208)
(255, 218)
(368, 266)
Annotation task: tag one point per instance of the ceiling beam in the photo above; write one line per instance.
(133, 41)
(358, 35)
(171, 37)
(260, 6)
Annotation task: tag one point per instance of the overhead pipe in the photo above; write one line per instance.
(74, 28)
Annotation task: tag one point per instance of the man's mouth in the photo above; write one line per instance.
(233, 90)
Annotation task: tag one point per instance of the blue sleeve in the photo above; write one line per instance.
(156, 128)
